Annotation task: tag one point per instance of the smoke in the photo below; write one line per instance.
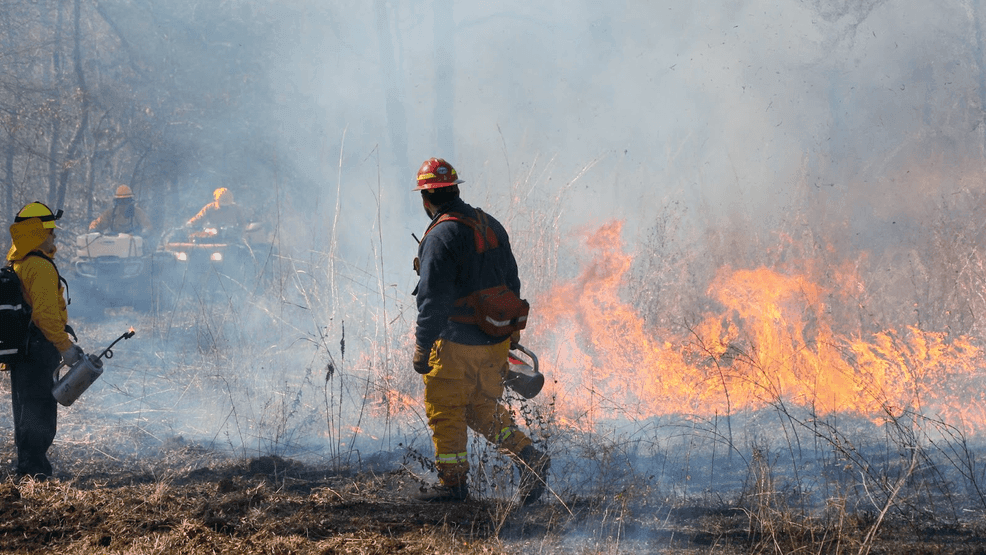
(725, 107)
(712, 130)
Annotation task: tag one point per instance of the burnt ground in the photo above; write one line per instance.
(187, 500)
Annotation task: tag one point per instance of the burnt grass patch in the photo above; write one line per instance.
(188, 500)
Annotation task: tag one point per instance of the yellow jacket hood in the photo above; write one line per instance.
(39, 281)
(27, 236)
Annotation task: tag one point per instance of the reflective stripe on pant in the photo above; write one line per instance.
(463, 389)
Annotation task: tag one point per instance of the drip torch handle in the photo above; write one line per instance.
(526, 351)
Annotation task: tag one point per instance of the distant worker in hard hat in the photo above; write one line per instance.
(124, 216)
(49, 343)
(465, 251)
(222, 212)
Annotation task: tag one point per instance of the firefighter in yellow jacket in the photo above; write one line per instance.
(35, 409)
(124, 216)
(463, 367)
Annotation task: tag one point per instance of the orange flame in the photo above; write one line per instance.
(772, 342)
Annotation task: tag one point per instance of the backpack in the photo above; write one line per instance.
(496, 310)
(15, 316)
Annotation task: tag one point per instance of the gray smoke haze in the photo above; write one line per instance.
(726, 107)
(851, 120)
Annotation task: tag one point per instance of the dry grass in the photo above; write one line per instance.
(265, 505)
(188, 500)
(316, 368)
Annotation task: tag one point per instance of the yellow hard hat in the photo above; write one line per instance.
(124, 192)
(223, 195)
(39, 210)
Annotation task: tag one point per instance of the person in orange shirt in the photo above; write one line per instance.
(35, 409)
(222, 212)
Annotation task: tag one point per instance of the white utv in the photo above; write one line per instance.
(114, 270)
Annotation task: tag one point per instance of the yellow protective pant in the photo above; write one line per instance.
(463, 389)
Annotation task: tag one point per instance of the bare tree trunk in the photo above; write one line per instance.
(73, 150)
(980, 71)
(396, 116)
(10, 149)
(56, 112)
(91, 185)
(8, 178)
(444, 78)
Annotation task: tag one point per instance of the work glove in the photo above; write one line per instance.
(420, 361)
(72, 355)
(514, 339)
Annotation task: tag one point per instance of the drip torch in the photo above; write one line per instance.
(82, 374)
(522, 377)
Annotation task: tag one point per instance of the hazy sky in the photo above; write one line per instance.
(727, 106)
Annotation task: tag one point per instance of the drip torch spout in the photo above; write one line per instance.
(107, 352)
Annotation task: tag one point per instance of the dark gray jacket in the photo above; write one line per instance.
(452, 269)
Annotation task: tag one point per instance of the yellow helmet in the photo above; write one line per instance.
(124, 192)
(39, 210)
(223, 195)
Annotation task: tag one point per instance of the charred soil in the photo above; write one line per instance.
(187, 500)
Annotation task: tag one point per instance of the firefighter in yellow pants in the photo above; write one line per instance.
(463, 389)
(465, 251)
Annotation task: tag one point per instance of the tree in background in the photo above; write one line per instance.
(145, 93)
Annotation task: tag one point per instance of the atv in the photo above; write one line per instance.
(113, 270)
(205, 257)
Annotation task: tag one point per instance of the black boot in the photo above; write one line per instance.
(534, 467)
(441, 493)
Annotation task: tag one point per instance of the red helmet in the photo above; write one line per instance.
(436, 173)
